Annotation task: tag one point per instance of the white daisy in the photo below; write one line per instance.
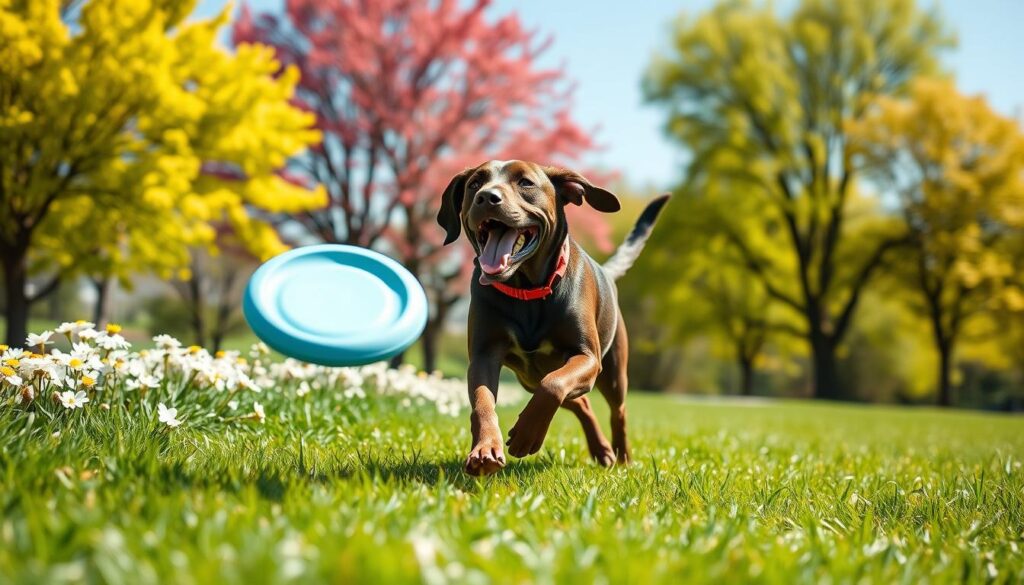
(166, 342)
(168, 416)
(89, 379)
(29, 366)
(68, 328)
(11, 353)
(39, 341)
(72, 400)
(144, 381)
(258, 412)
(112, 341)
(248, 383)
(12, 379)
(87, 334)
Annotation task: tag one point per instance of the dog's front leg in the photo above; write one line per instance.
(487, 455)
(574, 379)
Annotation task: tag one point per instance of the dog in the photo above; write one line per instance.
(540, 305)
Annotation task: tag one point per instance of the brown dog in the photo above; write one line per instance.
(540, 305)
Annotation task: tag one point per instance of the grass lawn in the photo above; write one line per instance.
(330, 491)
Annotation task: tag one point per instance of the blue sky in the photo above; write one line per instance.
(606, 45)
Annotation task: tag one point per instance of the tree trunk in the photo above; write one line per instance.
(16, 303)
(99, 314)
(224, 309)
(826, 377)
(945, 374)
(216, 338)
(397, 360)
(195, 290)
(431, 334)
(746, 376)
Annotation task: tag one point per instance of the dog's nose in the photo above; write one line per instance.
(488, 197)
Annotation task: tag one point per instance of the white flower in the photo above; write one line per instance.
(12, 353)
(117, 362)
(88, 333)
(54, 372)
(82, 350)
(145, 381)
(112, 341)
(89, 379)
(247, 383)
(72, 400)
(166, 342)
(10, 375)
(303, 389)
(258, 349)
(67, 329)
(29, 366)
(39, 341)
(169, 416)
(232, 404)
(257, 409)
(82, 357)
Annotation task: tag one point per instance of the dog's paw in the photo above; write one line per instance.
(604, 457)
(527, 436)
(487, 457)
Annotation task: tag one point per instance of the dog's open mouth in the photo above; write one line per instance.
(502, 245)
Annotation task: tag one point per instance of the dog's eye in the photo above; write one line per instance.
(526, 183)
(474, 185)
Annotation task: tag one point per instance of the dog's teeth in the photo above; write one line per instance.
(519, 244)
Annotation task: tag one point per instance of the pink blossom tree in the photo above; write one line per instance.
(407, 93)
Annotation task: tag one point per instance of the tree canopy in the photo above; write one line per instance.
(956, 168)
(762, 99)
(129, 133)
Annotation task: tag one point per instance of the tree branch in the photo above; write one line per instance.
(861, 280)
(46, 290)
(755, 265)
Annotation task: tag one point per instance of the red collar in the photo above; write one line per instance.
(532, 294)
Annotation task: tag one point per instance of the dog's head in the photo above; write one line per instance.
(512, 211)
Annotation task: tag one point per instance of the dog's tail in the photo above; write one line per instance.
(629, 251)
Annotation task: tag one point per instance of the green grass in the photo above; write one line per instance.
(328, 491)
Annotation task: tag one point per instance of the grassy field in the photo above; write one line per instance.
(329, 490)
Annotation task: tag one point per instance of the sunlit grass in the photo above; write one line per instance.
(331, 491)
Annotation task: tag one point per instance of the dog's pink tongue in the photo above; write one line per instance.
(497, 251)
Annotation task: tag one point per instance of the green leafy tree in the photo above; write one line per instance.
(957, 168)
(704, 283)
(762, 99)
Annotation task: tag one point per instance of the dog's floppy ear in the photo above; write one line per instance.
(449, 216)
(572, 187)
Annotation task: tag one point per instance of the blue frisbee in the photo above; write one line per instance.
(335, 305)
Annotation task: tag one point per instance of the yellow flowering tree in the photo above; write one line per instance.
(957, 168)
(130, 137)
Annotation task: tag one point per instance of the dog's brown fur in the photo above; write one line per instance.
(558, 347)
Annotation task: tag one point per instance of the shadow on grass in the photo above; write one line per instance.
(274, 478)
(449, 471)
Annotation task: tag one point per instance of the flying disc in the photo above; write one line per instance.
(335, 305)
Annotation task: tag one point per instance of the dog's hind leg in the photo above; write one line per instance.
(598, 446)
(613, 384)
